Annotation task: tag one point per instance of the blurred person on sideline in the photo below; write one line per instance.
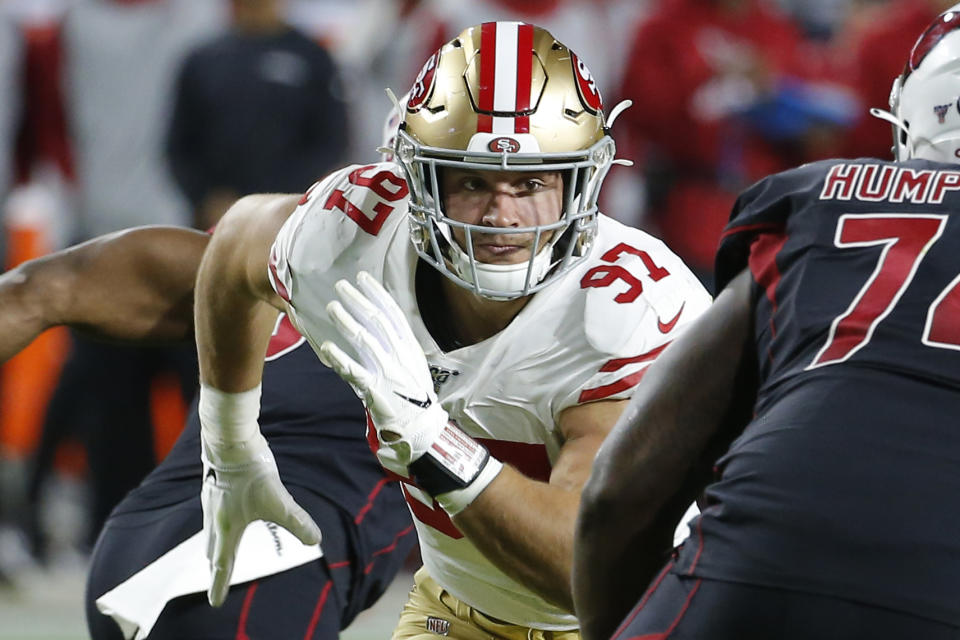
(501, 322)
(119, 62)
(883, 47)
(826, 377)
(258, 109)
(11, 87)
(11, 78)
(722, 95)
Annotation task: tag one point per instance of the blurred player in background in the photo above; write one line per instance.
(119, 60)
(522, 321)
(258, 109)
(831, 513)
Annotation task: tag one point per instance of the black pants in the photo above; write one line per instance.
(103, 400)
(679, 607)
(310, 601)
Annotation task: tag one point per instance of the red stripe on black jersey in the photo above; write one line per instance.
(760, 226)
(763, 266)
(318, 610)
(388, 549)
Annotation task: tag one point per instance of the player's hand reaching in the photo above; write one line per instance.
(240, 484)
(393, 379)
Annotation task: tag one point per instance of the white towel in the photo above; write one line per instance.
(683, 529)
(135, 604)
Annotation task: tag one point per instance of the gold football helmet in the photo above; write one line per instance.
(504, 96)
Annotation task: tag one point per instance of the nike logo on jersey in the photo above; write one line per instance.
(423, 404)
(667, 327)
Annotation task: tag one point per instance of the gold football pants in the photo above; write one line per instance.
(431, 613)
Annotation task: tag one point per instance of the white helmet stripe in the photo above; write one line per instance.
(505, 78)
(502, 125)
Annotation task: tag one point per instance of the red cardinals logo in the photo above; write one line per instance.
(504, 145)
(423, 85)
(586, 85)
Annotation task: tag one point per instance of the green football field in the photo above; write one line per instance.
(47, 604)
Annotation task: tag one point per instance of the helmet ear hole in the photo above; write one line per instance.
(903, 132)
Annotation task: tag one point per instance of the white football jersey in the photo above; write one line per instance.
(589, 336)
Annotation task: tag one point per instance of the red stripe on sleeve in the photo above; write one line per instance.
(281, 290)
(619, 363)
(607, 390)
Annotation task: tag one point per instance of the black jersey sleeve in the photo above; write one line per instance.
(765, 207)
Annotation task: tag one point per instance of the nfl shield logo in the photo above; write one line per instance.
(440, 376)
(941, 111)
(438, 626)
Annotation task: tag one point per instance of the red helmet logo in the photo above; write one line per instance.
(586, 85)
(504, 144)
(423, 85)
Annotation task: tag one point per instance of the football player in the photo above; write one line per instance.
(137, 285)
(833, 355)
(497, 326)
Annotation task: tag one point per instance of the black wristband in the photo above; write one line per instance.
(452, 462)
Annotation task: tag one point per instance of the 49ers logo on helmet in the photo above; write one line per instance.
(423, 85)
(504, 144)
(586, 85)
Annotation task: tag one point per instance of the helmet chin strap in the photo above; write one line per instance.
(927, 149)
(506, 278)
(506, 281)
(899, 125)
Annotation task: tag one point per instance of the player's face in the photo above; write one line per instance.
(502, 200)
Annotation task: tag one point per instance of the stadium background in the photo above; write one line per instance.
(850, 50)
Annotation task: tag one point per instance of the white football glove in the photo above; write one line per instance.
(414, 433)
(240, 483)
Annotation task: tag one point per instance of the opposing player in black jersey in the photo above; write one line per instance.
(832, 355)
(138, 285)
